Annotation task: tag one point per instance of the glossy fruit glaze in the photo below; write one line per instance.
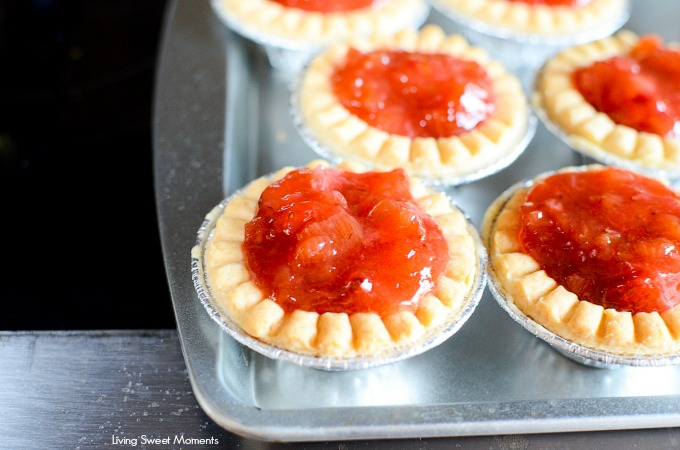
(610, 236)
(326, 240)
(414, 94)
(568, 3)
(326, 6)
(639, 90)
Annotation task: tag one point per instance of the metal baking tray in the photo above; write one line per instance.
(230, 123)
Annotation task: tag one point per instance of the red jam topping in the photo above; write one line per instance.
(640, 90)
(413, 94)
(326, 6)
(568, 3)
(610, 236)
(326, 240)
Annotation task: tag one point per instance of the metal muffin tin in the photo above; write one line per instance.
(222, 119)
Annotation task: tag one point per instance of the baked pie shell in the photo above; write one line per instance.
(335, 335)
(567, 113)
(523, 18)
(270, 21)
(341, 135)
(521, 281)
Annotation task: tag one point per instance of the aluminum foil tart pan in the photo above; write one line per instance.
(432, 337)
(590, 152)
(605, 29)
(445, 181)
(287, 55)
(576, 352)
(523, 52)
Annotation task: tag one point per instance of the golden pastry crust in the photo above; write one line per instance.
(523, 283)
(345, 136)
(544, 20)
(590, 131)
(272, 21)
(336, 335)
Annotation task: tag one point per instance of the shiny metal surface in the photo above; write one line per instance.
(90, 390)
(491, 378)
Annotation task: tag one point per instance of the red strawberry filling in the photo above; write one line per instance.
(610, 236)
(414, 94)
(325, 240)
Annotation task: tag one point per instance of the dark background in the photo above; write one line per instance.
(79, 245)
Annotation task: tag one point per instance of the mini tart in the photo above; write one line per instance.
(269, 21)
(537, 20)
(566, 113)
(336, 133)
(521, 281)
(236, 298)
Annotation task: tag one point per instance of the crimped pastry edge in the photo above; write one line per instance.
(236, 299)
(270, 22)
(570, 117)
(538, 23)
(338, 135)
(574, 326)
